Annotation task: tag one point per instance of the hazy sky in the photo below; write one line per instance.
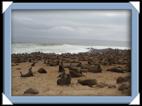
(41, 26)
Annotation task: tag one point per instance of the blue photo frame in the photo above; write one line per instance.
(71, 99)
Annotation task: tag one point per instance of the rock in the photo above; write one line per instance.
(122, 79)
(95, 68)
(31, 91)
(118, 69)
(42, 70)
(88, 82)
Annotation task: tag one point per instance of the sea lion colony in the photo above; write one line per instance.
(79, 65)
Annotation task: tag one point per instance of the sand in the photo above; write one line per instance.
(47, 86)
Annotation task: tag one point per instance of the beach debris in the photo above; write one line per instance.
(88, 82)
(42, 70)
(31, 91)
(28, 74)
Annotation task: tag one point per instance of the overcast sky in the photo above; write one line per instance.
(41, 26)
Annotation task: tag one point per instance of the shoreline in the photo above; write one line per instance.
(59, 49)
(89, 50)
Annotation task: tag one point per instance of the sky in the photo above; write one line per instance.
(52, 25)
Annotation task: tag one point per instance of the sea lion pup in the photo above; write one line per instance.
(28, 74)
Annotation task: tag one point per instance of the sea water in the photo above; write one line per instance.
(57, 48)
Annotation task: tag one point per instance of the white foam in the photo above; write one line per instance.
(58, 49)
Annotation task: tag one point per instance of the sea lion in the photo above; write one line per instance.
(28, 74)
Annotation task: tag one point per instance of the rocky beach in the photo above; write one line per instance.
(98, 72)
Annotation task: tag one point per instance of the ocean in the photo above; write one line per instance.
(58, 48)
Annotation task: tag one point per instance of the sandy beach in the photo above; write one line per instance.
(46, 83)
